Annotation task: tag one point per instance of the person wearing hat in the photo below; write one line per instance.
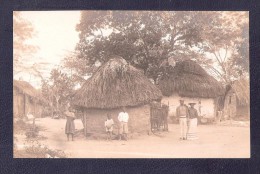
(182, 114)
(193, 122)
(70, 126)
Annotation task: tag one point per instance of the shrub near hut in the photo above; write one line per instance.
(117, 84)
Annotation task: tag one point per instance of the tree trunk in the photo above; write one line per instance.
(85, 122)
(24, 106)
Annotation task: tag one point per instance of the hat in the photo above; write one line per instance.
(192, 103)
(181, 99)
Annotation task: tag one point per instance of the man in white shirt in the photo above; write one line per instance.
(123, 121)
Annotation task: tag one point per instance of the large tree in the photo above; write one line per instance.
(226, 41)
(23, 50)
(149, 39)
(145, 39)
(58, 89)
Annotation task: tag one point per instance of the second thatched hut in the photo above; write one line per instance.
(237, 99)
(114, 85)
(191, 82)
(26, 99)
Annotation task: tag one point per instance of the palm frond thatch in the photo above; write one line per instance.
(242, 91)
(116, 84)
(189, 79)
(29, 90)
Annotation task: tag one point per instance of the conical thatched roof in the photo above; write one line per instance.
(189, 79)
(116, 84)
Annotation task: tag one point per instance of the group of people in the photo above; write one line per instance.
(188, 119)
(123, 118)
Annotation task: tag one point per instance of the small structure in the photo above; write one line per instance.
(26, 99)
(159, 116)
(116, 84)
(191, 82)
(237, 99)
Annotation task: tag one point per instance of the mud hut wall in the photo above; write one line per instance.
(22, 104)
(243, 110)
(139, 119)
(207, 109)
(18, 103)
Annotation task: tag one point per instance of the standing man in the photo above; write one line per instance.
(182, 114)
(123, 123)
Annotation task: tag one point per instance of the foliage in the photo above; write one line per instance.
(23, 31)
(145, 39)
(226, 39)
(58, 89)
(149, 39)
(35, 149)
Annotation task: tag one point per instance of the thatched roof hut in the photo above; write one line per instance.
(116, 84)
(27, 99)
(189, 79)
(113, 85)
(237, 98)
(242, 91)
(26, 88)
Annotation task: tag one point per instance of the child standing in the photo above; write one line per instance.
(109, 126)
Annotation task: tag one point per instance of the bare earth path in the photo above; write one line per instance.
(214, 142)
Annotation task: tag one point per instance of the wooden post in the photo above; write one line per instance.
(34, 107)
(24, 105)
(85, 122)
(33, 124)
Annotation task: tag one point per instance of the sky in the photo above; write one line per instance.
(55, 37)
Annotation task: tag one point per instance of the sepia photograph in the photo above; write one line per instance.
(131, 84)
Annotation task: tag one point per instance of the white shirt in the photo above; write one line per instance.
(109, 123)
(123, 117)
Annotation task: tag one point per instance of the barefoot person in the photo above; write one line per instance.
(193, 122)
(109, 126)
(182, 113)
(70, 126)
(123, 123)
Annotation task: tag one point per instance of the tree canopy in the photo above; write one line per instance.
(23, 50)
(149, 40)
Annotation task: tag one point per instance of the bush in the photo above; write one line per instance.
(37, 150)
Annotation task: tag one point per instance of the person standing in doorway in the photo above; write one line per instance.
(182, 113)
(123, 123)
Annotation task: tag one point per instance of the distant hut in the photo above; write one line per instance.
(116, 84)
(191, 82)
(237, 99)
(26, 99)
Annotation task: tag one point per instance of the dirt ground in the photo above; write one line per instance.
(215, 141)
